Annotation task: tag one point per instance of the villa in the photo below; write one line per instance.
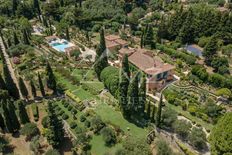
(114, 42)
(158, 73)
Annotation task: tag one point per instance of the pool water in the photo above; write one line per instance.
(60, 46)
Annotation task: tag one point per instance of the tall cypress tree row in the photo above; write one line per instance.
(2, 123)
(187, 32)
(25, 37)
(22, 112)
(159, 112)
(149, 110)
(16, 40)
(210, 50)
(142, 96)
(133, 96)
(23, 88)
(11, 86)
(14, 6)
(153, 115)
(55, 134)
(101, 57)
(149, 37)
(124, 83)
(2, 83)
(36, 6)
(33, 89)
(51, 80)
(41, 86)
(14, 120)
(7, 119)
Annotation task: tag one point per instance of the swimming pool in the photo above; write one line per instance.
(194, 50)
(61, 46)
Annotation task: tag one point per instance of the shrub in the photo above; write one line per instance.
(45, 122)
(74, 111)
(35, 112)
(73, 125)
(66, 104)
(52, 152)
(108, 136)
(61, 112)
(87, 124)
(70, 108)
(182, 128)
(197, 138)
(82, 118)
(163, 148)
(65, 116)
(29, 130)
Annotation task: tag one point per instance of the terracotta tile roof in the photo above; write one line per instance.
(112, 37)
(127, 51)
(110, 44)
(148, 64)
(121, 42)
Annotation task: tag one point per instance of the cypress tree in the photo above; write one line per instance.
(37, 7)
(149, 110)
(4, 95)
(210, 50)
(16, 40)
(133, 96)
(101, 57)
(9, 42)
(25, 37)
(2, 123)
(33, 89)
(14, 120)
(23, 88)
(14, 6)
(61, 3)
(67, 33)
(159, 111)
(7, 119)
(55, 126)
(2, 83)
(149, 37)
(141, 40)
(11, 86)
(22, 112)
(41, 86)
(186, 34)
(142, 96)
(124, 83)
(51, 81)
(153, 115)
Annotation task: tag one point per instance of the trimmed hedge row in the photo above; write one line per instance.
(189, 59)
(72, 96)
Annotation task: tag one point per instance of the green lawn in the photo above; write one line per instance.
(82, 94)
(81, 74)
(99, 148)
(107, 113)
(179, 110)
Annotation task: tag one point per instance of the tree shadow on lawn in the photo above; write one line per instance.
(138, 121)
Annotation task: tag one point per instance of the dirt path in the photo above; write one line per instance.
(10, 67)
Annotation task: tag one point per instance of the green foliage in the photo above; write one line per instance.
(189, 59)
(73, 125)
(110, 78)
(108, 136)
(97, 124)
(22, 112)
(23, 88)
(159, 112)
(133, 146)
(163, 148)
(65, 116)
(51, 80)
(11, 86)
(169, 116)
(19, 49)
(197, 138)
(182, 128)
(101, 58)
(45, 122)
(3, 143)
(29, 130)
(224, 92)
(41, 86)
(221, 137)
(35, 111)
(52, 152)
